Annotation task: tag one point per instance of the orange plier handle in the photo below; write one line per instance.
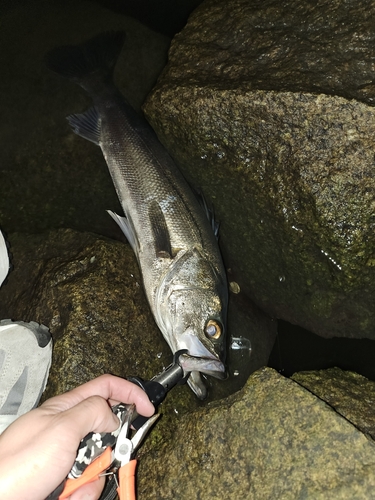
(126, 477)
(91, 473)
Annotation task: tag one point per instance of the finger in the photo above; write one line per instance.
(90, 415)
(108, 387)
(90, 491)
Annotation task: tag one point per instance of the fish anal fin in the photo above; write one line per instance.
(160, 231)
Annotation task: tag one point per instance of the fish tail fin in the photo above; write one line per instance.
(89, 64)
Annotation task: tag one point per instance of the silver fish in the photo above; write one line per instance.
(165, 223)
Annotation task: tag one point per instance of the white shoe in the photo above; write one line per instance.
(25, 360)
(4, 259)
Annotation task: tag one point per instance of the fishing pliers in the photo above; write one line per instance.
(118, 461)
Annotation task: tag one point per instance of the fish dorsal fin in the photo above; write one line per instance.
(87, 125)
(160, 231)
(126, 229)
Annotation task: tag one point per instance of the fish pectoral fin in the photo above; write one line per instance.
(126, 229)
(160, 231)
(87, 125)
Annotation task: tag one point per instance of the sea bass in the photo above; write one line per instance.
(165, 223)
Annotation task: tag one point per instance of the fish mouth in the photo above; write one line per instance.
(198, 357)
(207, 365)
(194, 366)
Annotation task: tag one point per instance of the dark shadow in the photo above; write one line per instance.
(164, 16)
(297, 350)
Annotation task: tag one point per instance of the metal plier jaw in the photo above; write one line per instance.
(124, 454)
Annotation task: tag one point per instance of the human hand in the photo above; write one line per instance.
(38, 450)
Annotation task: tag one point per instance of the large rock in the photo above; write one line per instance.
(255, 104)
(273, 439)
(350, 394)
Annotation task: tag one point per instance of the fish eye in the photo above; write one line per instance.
(213, 329)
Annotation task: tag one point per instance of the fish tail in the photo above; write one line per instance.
(89, 64)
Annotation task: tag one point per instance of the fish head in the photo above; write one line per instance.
(193, 318)
(197, 324)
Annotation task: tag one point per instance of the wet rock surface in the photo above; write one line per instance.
(272, 439)
(348, 393)
(290, 172)
(325, 47)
